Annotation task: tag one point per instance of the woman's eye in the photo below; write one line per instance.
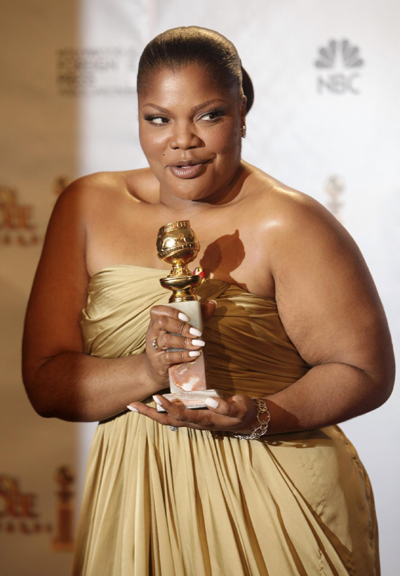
(156, 120)
(213, 115)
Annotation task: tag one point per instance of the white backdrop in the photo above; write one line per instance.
(318, 130)
(331, 131)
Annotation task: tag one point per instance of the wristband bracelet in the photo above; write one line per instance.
(263, 424)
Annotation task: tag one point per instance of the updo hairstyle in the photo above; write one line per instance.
(181, 46)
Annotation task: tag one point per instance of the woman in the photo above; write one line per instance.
(292, 318)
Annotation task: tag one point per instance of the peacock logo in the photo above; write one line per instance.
(339, 62)
(339, 52)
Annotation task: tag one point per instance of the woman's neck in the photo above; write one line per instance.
(227, 194)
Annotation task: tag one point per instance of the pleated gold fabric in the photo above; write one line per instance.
(196, 503)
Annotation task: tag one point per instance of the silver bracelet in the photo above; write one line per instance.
(263, 424)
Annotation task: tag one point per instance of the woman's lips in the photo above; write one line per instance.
(190, 171)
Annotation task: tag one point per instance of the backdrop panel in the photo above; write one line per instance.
(38, 154)
(325, 121)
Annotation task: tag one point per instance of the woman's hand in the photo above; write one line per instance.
(236, 414)
(170, 328)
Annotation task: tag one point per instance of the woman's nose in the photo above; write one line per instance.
(184, 137)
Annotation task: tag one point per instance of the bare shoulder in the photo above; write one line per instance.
(137, 184)
(308, 248)
(94, 188)
(93, 196)
(287, 205)
(287, 214)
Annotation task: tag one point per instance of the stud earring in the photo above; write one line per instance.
(243, 131)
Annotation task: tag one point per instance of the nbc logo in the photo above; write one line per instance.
(339, 63)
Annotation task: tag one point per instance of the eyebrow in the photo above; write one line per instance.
(193, 110)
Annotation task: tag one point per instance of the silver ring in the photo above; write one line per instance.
(154, 344)
(173, 428)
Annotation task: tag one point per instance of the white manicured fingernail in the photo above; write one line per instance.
(194, 353)
(198, 343)
(183, 317)
(132, 408)
(195, 332)
(156, 399)
(211, 403)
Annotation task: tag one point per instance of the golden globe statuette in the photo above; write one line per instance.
(177, 245)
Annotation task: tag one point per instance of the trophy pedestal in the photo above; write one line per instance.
(188, 380)
(191, 400)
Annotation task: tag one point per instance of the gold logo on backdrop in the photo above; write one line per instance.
(16, 220)
(19, 513)
(18, 509)
(335, 188)
(17, 226)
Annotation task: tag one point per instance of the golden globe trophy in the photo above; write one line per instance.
(177, 245)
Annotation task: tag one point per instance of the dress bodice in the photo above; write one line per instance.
(247, 348)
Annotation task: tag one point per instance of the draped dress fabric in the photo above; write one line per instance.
(197, 503)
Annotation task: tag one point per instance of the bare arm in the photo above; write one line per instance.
(331, 311)
(61, 380)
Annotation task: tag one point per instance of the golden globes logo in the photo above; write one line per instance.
(18, 509)
(16, 220)
(19, 514)
(335, 188)
(340, 61)
(17, 225)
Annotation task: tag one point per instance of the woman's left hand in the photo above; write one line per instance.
(237, 414)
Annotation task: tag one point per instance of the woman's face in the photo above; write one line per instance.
(190, 132)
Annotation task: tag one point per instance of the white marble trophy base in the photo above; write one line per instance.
(191, 400)
(188, 380)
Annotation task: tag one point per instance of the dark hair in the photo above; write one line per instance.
(185, 45)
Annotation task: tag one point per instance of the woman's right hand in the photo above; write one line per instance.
(170, 328)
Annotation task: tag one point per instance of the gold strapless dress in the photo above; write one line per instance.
(196, 503)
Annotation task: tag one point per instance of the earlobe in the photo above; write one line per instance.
(243, 117)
